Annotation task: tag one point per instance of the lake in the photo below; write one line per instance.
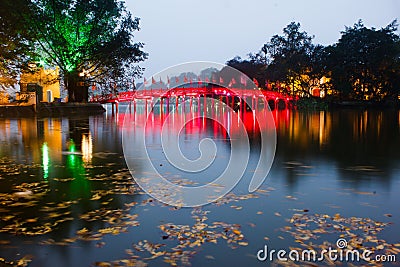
(67, 197)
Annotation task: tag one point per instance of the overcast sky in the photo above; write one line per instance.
(178, 31)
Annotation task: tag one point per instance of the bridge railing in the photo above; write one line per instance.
(196, 92)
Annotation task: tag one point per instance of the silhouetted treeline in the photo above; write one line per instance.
(364, 64)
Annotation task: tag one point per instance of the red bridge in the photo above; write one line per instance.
(275, 100)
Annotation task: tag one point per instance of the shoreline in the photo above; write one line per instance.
(362, 104)
(73, 109)
(51, 109)
(313, 104)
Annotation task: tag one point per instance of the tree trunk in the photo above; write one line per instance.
(77, 87)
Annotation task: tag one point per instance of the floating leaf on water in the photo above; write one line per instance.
(106, 230)
(69, 240)
(96, 197)
(156, 255)
(252, 225)
(103, 264)
(63, 180)
(237, 232)
(54, 215)
(82, 231)
(171, 262)
(364, 193)
(24, 194)
(333, 206)
(112, 220)
(100, 244)
(7, 218)
(336, 216)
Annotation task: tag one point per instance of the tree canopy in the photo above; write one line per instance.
(89, 40)
(363, 65)
(14, 41)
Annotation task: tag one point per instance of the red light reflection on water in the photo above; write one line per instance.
(193, 122)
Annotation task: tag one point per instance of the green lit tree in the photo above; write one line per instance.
(89, 40)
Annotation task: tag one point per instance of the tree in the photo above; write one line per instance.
(89, 40)
(291, 59)
(365, 63)
(291, 56)
(251, 67)
(15, 40)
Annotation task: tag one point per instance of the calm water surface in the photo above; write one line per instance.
(67, 198)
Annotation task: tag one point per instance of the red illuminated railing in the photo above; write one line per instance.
(188, 92)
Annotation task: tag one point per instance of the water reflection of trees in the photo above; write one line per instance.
(357, 144)
(362, 145)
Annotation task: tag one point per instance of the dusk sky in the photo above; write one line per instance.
(178, 31)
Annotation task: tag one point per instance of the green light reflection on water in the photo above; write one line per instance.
(45, 160)
(80, 186)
